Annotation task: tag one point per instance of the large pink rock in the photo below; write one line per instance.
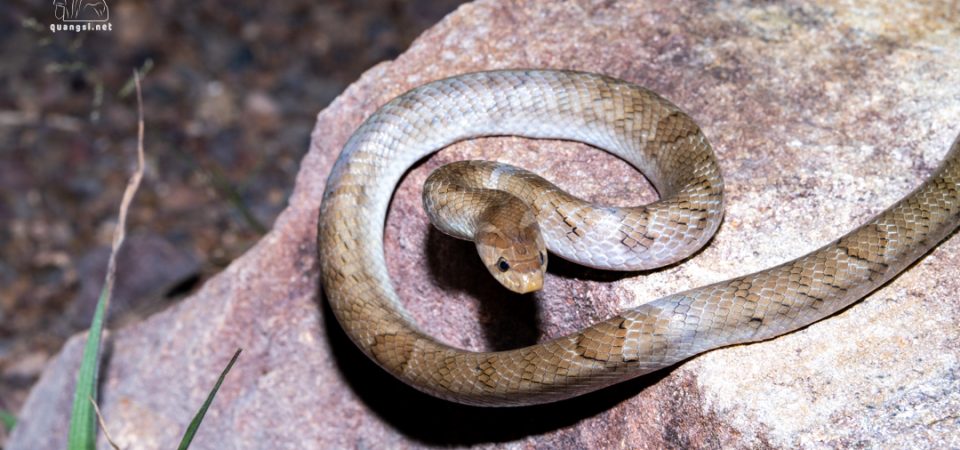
(822, 115)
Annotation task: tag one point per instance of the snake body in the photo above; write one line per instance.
(514, 215)
(662, 142)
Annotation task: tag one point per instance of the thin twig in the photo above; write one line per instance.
(103, 424)
(128, 193)
(82, 433)
(119, 234)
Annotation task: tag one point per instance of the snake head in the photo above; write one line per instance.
(515, 254)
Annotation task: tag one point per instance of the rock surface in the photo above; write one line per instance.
(148, 268)
(822, 115)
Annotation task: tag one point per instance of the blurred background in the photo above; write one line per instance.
(231, 91)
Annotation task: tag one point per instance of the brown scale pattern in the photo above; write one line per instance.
(657, 138)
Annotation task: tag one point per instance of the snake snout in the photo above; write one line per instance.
(521, 283)
(533, 284)
(518, 265)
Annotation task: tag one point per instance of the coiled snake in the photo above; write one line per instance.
(658, 139)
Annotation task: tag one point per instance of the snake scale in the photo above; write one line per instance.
(662, 142)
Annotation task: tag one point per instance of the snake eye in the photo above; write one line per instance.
(503, 265)
(541, 258)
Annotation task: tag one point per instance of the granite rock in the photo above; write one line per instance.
(822, 114)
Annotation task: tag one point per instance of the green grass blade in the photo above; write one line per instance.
(195, 423)
(7, 419)
(83, 426)
(131, 84)
(83, 430)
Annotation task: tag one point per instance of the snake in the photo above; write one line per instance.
(658, 139)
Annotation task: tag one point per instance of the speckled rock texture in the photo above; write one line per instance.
(822, 115)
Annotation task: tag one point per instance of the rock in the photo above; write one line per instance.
(148, 268)
(821, 114)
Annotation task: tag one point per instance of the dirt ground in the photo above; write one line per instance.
(230, 95)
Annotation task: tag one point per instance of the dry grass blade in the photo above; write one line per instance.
(83, 431)
(103, 425)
